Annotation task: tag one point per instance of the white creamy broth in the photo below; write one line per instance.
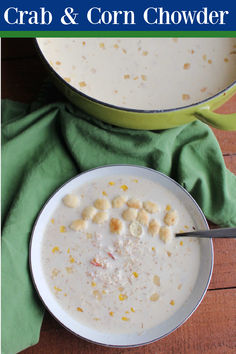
(115, 279)
(144, 73)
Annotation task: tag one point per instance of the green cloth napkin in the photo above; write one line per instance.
(46, 144)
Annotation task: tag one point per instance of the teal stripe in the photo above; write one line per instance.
(7, 34)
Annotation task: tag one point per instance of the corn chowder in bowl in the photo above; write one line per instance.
(105, 260)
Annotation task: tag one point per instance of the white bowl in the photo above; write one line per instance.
(121, 340)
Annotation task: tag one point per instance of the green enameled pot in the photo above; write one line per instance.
(149, 119)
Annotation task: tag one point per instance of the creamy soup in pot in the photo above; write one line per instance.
(144, 73)
(110, 256)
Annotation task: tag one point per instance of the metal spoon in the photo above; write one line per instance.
(215, 233)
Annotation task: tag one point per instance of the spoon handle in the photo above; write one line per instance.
(215, 233)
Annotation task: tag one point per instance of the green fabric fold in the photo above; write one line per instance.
(46, 144)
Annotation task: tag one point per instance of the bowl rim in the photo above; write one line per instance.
(115, 345)
(120, 108)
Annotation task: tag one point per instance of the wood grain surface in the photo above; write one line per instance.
(212, 327)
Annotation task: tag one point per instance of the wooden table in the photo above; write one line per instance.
(212, 328)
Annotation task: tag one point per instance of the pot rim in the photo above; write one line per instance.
(109, 105)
